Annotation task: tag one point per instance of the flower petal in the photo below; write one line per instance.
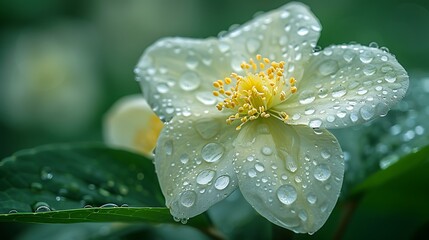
(177, 73)
(132, 124)
(346, 85)
(288, 33)
(193, 161)
(291, 175)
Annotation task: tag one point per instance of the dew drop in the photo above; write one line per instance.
(315, 123)
(189, 81)
(306, 97)
(188, 198)
(348, 55)
(267, 151)
(162, 88)
(259, 167)
(390, 77)
(369, 70)
(184, 158)
(330, 118)
(13, 211)
(322, 172)
(253, 45)
(46, 174)
(287, 194)
(109, 205)
(366, 112)
(339, 91)
(212, 152)
(302, 31)
(205, 176)
(366, 56)
(168, 147)
(192, 62)
(311, 198)
(251, 173)
(222, 182)
(206, 98)
(325, 154)
(328, 67)
(303, 215)
(41, 207)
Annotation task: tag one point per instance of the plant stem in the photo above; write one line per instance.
(348, 211)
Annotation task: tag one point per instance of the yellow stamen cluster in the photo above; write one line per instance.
(255, 94)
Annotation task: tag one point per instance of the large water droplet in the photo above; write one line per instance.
(205, 176)
(222, 182)
(109, 205)
(315, 123)
(206, 98)
(41, 207)
(192, 62)
(207, 128)
(184, 158)
(311, 198)
(189, 81)
(302, 31)
(369, 70)
(339, 91)
(366, 112)
(252, 173)
(322, 172)
(259, 167)
(306, 97)
(287, 194)
(162, 88)
(253, 45)
(366, 56)
(328, 67)
(267, 151)
(212, 152)
(188, 198)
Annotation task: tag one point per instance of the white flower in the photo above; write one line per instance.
(263, 128)
(132, 124)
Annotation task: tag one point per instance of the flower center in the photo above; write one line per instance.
(255, 94)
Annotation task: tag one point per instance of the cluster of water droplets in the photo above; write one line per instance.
(300, 185)
(357, 88)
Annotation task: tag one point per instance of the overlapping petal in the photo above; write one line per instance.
(288, 34)
(291, 175)
(177, 73)
(346, 85)
(193, 161)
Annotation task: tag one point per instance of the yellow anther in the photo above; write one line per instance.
(253, 95)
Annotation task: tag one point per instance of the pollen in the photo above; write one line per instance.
(255, 94)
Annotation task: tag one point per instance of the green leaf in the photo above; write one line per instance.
(96, 214)
(411, 162)
(59, 177)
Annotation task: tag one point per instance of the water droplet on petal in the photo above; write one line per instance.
(162, 88)
(367, 112)
(109, 205)
(303, 215)
(259, 167)
(328, 67)
(311, 198)
(306, 97)
(253, 45)
(212, 152)
(205, 176)
(339, 91)
(366, 56)
(302, 31)
(315, 123)
(192, 62)
(222, 182)
(189, 81)
(206, 98)
(322, 172)
(168, 147)
(41, 207)
(252, 173)
(188, 198)
(184, 158)
(267, 151)
(287, 194)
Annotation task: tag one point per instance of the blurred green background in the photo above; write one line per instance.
(64, 63)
